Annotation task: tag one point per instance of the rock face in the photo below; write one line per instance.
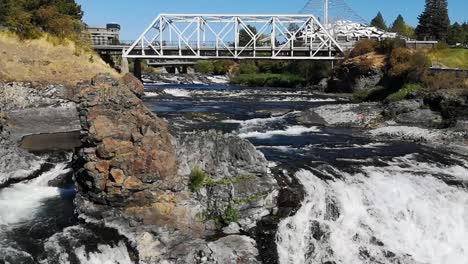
(347, 115)
(136, 177)
(411, 112)
(357, 74)
(128, 153)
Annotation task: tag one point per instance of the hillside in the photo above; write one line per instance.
(42, 61)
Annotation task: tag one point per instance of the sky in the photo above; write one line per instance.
(135, 15)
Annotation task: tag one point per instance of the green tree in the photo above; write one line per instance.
(456, 34)
(5, 10)
(245, 35)
(434, 21)
(379, 22)
(402, 28)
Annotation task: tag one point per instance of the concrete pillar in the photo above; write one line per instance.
(190, 70)
(124, 66)
(137, 68)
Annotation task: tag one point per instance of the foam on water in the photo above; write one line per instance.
(21, 201)
(289, 131)
(177, 92)
(390, 214)
(107, 255)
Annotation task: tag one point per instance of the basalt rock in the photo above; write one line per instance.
(128, 152)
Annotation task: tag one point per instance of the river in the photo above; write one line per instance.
(365, 201)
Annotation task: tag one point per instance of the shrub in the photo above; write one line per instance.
(247, 67)
(205, 67)
(404, 92)
(388, 45)
(407, 65)
(271, 80)
(363, 47)
(198, 179)
(222, 67)
(230, 215)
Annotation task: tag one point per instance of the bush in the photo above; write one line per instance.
(230, 215)
(222, 67)
(408, 66)
(363, 47)
(198, 179)
(270, 80)
(388, 45)
(404, 92)
(247, 67)
(205, 67)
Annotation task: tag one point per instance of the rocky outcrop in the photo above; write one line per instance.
(33, 118)
(137, 178)
(357, 74)
(345, 115)
(412, 112)
(453, 105)
(128, 154)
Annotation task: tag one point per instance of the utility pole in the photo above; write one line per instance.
(325, 13)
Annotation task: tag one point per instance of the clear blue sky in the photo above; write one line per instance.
(135, 15)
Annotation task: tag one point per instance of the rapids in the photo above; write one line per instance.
(365, 201)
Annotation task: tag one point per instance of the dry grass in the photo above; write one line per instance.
(370, 60)
(43, 61)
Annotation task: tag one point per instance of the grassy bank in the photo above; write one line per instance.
(453, 58)
(268, 80)
(47, 60)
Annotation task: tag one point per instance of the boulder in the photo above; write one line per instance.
(129, 147)
(422, 117)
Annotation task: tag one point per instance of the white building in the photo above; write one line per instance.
(104, 35)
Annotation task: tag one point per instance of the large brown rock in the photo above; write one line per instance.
(127, 149)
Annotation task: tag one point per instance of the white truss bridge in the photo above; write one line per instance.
(215, 36)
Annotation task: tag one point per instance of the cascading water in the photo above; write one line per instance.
(398, 213)
(38, 225)
(365, 201)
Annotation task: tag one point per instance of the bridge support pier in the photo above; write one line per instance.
(124, 66)
(137, 68)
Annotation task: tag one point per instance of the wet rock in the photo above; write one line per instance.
(219, 155)
(234, 249)
(401, 107)
(348, 115)
(423, 117)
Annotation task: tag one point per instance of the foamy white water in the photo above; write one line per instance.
(21, 201)
(392, 214)
(178, 92)
(107, 255)
(289, 131)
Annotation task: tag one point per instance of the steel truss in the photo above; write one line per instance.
(211, 36)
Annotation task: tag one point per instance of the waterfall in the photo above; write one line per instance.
(400, 213)
(21, 201)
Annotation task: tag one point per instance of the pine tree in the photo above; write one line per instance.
(402, 28)
(379, 22)
(5, 10)
(456, 34)
(434, 21)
